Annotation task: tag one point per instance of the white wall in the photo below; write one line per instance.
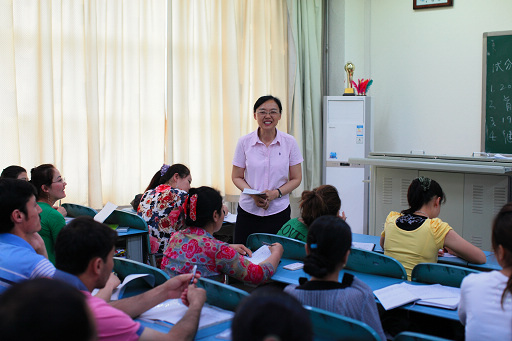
(426, 66)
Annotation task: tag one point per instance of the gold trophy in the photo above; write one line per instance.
(349, 69)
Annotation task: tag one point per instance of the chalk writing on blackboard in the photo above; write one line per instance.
(497, 94)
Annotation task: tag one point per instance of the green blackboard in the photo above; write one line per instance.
(497, 92)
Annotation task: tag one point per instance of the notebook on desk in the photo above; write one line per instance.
(173, 310)
(434, 295)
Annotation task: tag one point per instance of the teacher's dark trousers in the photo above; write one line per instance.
(247, 223)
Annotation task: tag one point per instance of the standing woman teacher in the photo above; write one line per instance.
(269, 161)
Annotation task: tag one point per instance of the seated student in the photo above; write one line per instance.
(161, 204)
(416, 235)
(50, 186)
(485, 306)
(84, 256)
(22, 252)
(14, 172)
(323, 200)
(196, 244)
(45, 309)
(327, 249)
(271, 315)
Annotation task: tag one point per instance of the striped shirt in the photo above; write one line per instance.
(19, 261)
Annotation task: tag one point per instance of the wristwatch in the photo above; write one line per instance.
(280, 194)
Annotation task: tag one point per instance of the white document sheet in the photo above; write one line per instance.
(105, 212)
(259, 255)
(364, 246)
(435, 295)
(150, 279)
(173, 310)
(251, 191)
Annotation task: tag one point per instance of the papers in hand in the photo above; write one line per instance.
(259, 255)
(252, 191)
(173, 310)
(230, 218)
(364, 246)
(105, 212)
(435, 295)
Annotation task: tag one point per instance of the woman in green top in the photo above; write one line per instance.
(323, 200)
(50, 187)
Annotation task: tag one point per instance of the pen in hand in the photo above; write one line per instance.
(194, 270)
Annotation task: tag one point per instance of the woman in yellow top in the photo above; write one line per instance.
(416, 235)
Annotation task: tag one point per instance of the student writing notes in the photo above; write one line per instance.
(196, 245)
(485, 306)
(327, 248)
(84, 256)
(416, 234)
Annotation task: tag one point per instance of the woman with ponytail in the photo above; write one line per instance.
(323, 200)
(161, 204)
(417, 234)
(195, 245)
(485, 306)
(327, 248)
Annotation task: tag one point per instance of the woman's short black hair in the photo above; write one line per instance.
(263, 99)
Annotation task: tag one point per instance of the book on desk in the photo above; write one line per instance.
(434, 295)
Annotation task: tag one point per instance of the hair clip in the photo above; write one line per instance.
(425, 183)
(313, 246)
(164, 169)
(192, 207)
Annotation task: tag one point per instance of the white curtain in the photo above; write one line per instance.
(83, 87)
(224, 55)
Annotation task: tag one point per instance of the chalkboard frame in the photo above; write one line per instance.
(484, 84)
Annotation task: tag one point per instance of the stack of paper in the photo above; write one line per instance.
(435, 295)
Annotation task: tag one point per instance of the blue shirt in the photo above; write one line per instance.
(19, 261)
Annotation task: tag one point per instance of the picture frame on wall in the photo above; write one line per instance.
(421, 4)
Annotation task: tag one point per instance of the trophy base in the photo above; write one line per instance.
(349, 92)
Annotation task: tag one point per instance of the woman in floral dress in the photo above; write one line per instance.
(195, 245)
(161, 206)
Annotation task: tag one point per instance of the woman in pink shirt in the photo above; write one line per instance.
(268, 161)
